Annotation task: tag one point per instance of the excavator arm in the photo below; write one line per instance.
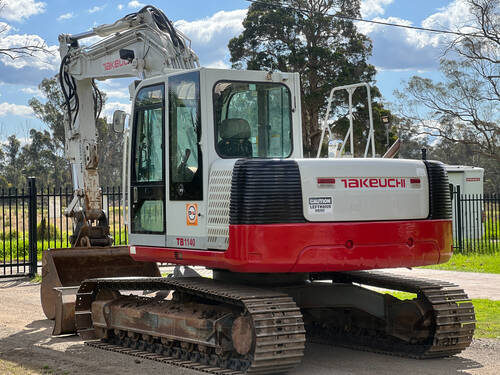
(142, 44)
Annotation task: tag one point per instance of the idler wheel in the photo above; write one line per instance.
(242, 334)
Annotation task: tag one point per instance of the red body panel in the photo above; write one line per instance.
(318, 247)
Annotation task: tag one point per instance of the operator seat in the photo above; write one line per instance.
(235, 142)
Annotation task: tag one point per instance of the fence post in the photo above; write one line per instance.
(458, 216)
(32, 216)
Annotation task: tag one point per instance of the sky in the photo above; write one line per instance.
(398, 53)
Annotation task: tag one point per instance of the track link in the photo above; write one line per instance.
(277, 321)
(451, 308)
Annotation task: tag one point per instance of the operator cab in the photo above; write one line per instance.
(188, 130)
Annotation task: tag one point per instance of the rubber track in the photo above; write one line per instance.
(278, 324)
(453, 313)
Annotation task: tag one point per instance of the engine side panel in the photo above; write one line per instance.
(268, 230)
(364, 189)
(319, 247)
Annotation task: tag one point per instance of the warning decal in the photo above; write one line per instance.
(191, 214)
(320, 205)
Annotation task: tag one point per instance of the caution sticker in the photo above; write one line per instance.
(320, 205)
(191, 214)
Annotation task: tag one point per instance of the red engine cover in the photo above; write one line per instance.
(318, 247)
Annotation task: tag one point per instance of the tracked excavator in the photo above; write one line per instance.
(217, 179)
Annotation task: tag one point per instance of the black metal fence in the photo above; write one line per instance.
(32, 220)
(476, 223)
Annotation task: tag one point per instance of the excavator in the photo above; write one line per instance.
(217, 178)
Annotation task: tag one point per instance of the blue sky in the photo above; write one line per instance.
(397, 53)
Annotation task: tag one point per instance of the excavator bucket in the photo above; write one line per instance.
(63, 270)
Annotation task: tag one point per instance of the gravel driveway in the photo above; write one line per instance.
(25, 338)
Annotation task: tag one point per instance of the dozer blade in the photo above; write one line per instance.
(66, 268)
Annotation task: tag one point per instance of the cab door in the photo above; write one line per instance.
(147, 170)
(185, 182)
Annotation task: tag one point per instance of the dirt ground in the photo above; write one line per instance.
(25, 340)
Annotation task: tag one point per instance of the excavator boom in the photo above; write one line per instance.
(142, 44)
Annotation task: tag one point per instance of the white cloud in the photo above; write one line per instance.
(96, 8)
(65, 16)
(32, 91)
(370, 8)
(15, 109)
(401, 49)
(19, 10)
(219, 64)
(407, 49)
(455, 16)
(211, 35)
(120, 6)
(135, 4)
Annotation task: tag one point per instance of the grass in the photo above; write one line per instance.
(36, 279)
(487, 315)
(491, 229)
(488, 318)
(470, 263)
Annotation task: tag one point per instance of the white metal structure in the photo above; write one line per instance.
(349, 136)
(470, 180)
(142, 44)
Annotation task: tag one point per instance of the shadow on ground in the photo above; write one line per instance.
(36, 349)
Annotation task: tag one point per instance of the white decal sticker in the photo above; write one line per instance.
(320, 205)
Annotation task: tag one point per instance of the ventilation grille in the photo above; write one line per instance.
(219, 196)
(439, 191)
(266, 191)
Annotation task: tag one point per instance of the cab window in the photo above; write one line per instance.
(184, 135)
(148, 184)
(253, 120)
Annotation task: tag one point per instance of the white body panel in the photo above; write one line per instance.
(471, 182)
(364, 189)
(470, 179)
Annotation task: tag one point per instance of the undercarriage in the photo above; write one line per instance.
(223, 327)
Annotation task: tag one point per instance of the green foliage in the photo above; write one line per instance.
(11, 163)
(492, 230)
(36, 279)
(402, 295)
(326, 51)
(11, 235)
(487, 318)
(110, 148)
(51, 112)
(471, 263)
(18, 247)
(47, 231)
